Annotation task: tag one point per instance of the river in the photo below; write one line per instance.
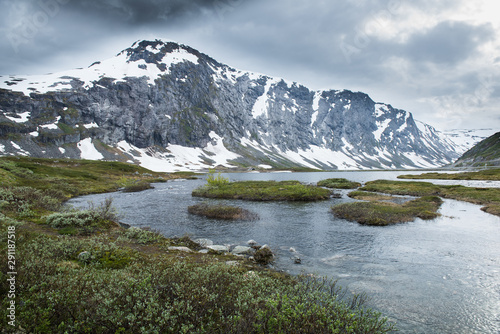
(436, 276)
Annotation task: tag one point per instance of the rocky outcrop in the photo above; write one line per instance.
(170, 107)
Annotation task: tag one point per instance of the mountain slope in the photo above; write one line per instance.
(169, 107)
(485, 153)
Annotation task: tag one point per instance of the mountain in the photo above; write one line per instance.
(169, 107)
(485, 153)
(466, 139)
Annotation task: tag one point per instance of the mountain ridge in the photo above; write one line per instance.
(486, 153)
(169, 107)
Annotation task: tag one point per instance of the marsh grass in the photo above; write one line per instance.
(339, 183)
(218, 211)
(369, 196)
(487, 174)
(264, 191)
(383, 214)
(489, 197)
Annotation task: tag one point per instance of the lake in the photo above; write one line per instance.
(435, 276)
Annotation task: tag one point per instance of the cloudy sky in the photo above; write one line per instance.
(439, 59)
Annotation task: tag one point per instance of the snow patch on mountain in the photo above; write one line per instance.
(88, 150)
(21, 118)
(261, 104)
(119, 68)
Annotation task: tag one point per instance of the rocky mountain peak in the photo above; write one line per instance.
(170, 107)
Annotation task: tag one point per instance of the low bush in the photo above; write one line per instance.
(110, 290)
(18, 199)
(94, 216)
(216, 180)
(72, 219)
(142, 236)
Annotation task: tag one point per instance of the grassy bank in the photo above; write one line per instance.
(263, 191)
(81, 272)
(489, 197)
(486, 175)
(77, 177)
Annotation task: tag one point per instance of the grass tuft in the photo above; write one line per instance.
(221, 212)
(383, 214)
(339, 183)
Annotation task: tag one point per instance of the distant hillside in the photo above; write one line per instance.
(485, 153)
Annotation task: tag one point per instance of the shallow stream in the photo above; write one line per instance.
(437, 276)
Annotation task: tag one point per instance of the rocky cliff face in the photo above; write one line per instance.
(170, 107)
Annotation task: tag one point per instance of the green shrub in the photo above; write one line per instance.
(93, 216)
(142, 236)
(216, 180)
(72, 219)
(111, 291)
(24, 199)
(136, 186)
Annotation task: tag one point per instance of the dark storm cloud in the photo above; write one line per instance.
(134, 12)
(35, 32)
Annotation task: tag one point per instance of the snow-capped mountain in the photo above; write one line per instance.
(169, 107)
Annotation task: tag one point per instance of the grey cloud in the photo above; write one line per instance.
(447, 43)
(295, 39)
(135, 12)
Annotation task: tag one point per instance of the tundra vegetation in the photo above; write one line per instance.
(262, 191)
(486, 175)
(220, 211)
(338, 183)
(380, 213)
(81, 272)
(489, 197)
